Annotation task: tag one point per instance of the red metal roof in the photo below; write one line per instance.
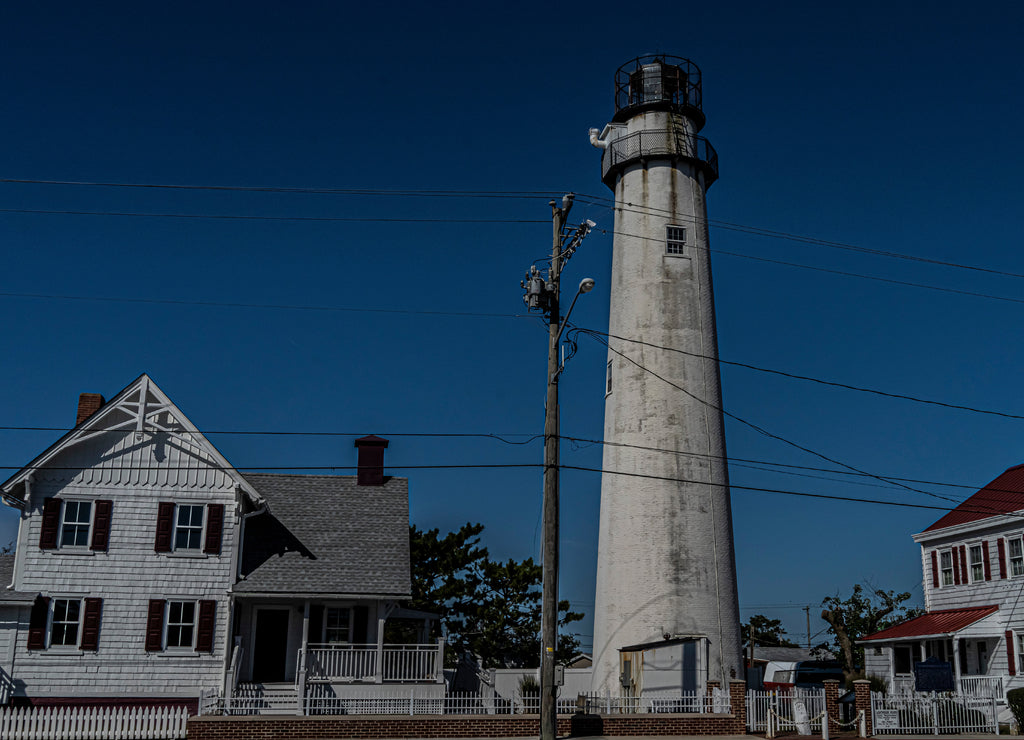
(939, 622)
(1002, 496)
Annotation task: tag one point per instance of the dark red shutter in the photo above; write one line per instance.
(164, 526)
(101, 525)
(37, 623)
(935, 569)
(956, 566)
(963, 564)
(1011, 664)
(91, 624)
(1001, 549)
(214, 528)
(51, 524)
(988, 566)
(207, 624)
(155, 626)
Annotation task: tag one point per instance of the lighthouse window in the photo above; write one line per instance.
(675, 239)
(608, 388)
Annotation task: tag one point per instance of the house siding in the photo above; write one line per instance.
(129, 573)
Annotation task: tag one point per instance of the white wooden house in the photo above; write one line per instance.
(973, 565)
(148, 569)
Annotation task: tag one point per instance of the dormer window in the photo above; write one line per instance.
(946, 567)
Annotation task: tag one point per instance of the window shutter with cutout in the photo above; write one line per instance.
(207, 626)
(214, 528)
(37, 623)
(1001, 550)
(935, 569)
(91, 624)
(155, 626)
(164, 526)
(988, 565)
(101, 526)
(51, 524)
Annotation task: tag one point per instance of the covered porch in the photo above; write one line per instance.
(309, 640)
(972, 640)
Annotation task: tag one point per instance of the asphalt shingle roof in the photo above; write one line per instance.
(325, 534)
(1004, 495)
(8, 596)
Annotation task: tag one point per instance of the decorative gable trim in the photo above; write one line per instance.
(143, 410)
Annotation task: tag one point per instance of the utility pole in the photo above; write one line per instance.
(549, 598)
(544, 295)
(807, 610)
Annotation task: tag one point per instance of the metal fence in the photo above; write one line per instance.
(642, 144)
(93, 723)
(802, 710)
(667, 703)
(933, 714)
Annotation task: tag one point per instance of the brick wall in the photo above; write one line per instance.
(423, 726)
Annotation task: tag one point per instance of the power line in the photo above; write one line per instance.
(273, 306)
(609, 203)
(795, 376)
(755, 427)
(402, 192)
(236, 217)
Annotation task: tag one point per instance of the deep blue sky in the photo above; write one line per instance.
(870, 124)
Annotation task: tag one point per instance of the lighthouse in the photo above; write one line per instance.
(666, 611)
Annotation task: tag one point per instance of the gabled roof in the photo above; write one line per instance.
(327, 535)
(1004, 495)
(942, 622)
(136, 407)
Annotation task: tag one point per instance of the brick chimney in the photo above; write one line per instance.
(88, 404)
(371, 460)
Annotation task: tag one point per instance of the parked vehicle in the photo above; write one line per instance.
(780, 675)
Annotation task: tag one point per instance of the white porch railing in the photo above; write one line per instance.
(981, 687)
(667, 703)
(93, 723)
(391, 663)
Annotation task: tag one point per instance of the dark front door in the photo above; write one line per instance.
(270, 646)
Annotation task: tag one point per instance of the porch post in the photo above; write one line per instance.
(439, 661)
(956, 664)
(301, 682)
(378, 676)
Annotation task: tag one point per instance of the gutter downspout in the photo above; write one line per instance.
(597, 138)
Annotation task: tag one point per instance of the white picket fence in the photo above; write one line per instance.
(793, 710)
(933, 714)
(93, 723)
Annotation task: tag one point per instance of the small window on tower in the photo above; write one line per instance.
(675, 240)
(608, 382)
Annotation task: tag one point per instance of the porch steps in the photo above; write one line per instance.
(265, 698)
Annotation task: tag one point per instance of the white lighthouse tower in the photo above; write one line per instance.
(666, 573)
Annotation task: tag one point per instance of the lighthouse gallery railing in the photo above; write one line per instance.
(642, 145)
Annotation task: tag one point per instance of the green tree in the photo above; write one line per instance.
(859, 615)
(765, 632)
(489, 608)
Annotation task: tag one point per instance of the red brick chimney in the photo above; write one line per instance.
(371, 460)
(88, 404)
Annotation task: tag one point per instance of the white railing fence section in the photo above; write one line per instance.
(676, 703)
(362, 662)
(93, 723)
(774, 710)
(410, 662)
(357, 662)
(973, 686)
(933, 714)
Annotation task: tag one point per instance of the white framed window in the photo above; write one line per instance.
(1020, 651)
(65, 622)
(1015, 551)
(76, 523)
(188, 526)
(338, 625)
(946, 568)
(180, 625)
(675, 240)
(977, 560)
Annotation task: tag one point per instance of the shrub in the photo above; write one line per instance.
(1015, 698)
(878, 684)
(528, 686)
